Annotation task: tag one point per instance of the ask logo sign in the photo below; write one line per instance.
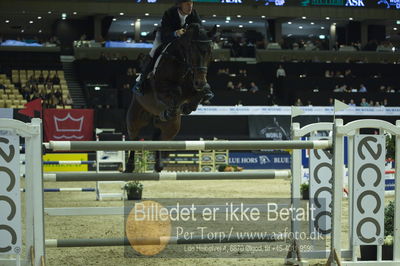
(355, 3)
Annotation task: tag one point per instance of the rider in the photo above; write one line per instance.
(173, 25)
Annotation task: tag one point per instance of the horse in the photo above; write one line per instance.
(175, 87)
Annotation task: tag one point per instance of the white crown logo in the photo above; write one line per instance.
(75, 125)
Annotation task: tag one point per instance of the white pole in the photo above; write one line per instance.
(337, 190)
(34, 164)
(396, 247)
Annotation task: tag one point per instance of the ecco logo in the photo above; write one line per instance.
(355, 3)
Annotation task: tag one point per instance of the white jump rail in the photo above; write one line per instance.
(76, 177)
(185, 145)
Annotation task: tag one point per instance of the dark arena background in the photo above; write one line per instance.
(73, 64)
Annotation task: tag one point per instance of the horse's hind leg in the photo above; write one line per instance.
(136, 119)
(158, 156)
(165, 131)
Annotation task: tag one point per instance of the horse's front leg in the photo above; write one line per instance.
(191, 106)
(130, 164)
(160, 156)
(172, 104)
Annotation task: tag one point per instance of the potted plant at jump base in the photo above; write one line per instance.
(369, 252)
(305, 191)
(134, 190)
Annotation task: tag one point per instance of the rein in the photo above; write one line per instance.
(189, 66)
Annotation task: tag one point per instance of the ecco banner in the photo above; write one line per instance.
(321, 180)
(10, 200)
(369, 189)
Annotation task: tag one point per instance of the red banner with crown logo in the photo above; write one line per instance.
(68, 124)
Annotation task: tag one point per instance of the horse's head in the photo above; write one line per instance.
(197, 45)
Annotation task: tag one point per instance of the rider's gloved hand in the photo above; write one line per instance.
(180, 32)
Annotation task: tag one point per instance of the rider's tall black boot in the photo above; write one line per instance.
(147, 66)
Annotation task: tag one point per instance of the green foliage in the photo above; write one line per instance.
(389, 219)
(304, 187)
(133, 186)
(390, 147)
(229, 168)
(221, 168)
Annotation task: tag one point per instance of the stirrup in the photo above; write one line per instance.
(164, 116)
(167, 114)
(207, 96)
(137, 89)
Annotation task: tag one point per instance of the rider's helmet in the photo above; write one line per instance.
(182, 1)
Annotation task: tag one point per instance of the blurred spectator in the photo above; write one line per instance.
(352, 89)
(53, 101)
(56, 79)
(230, 85)
(32, 81)
(340, 88)
(26, 92)
(35, 95)
(336, 46)
(240, 87)
(348, 74)
(364, 102)
(140, 59)
(327, 74)
(339, 74)
(115, 57)
(58, 94)
(280, 72)
(68, 100)
(103, 57)
(362, 88)
(298, 102)
(253, 87)
(352, 103)
(389, 89)
(41, 79)
(130, 78)
(271, 95)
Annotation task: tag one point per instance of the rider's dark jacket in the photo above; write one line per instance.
(171, 22)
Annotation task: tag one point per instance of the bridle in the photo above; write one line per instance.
(189, 64)
(186, 62)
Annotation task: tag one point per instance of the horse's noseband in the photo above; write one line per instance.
(200, 68)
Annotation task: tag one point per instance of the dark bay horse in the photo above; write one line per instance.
(175, 87)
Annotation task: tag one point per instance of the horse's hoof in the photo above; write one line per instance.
(129, 169)
(186, 109)
(158, 168)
